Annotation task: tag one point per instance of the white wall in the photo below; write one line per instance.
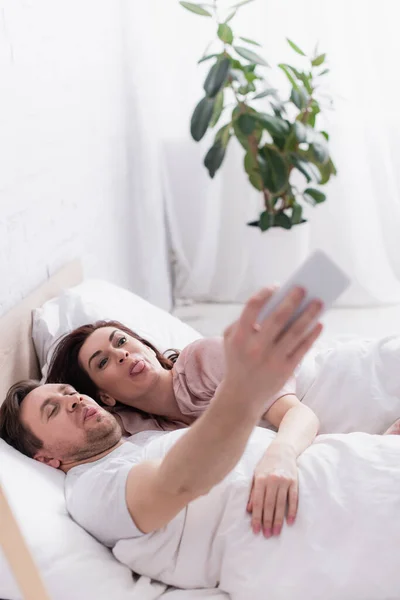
(64, 157)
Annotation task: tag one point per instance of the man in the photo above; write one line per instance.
(175, 509)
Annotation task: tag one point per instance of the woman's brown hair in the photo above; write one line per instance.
(65, 367)
(11, 428)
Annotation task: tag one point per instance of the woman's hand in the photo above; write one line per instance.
(393, 429)
(274, 488)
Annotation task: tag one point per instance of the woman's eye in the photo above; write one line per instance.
(102, 363)
(121, 341)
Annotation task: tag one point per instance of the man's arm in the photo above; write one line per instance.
(258, 361)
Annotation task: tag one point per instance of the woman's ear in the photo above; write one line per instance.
(106, 399)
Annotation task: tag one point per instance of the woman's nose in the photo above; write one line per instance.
(123, 356)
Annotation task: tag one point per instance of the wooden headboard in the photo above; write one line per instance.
(17, 355)
(18, 361)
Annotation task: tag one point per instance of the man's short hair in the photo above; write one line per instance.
(11, 428)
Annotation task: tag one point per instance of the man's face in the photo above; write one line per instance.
(71, 426)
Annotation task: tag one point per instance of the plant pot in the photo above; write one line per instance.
(276, 253)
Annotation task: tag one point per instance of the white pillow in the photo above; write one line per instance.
(95, 300)
(73, 565)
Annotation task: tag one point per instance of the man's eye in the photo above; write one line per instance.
(52, 412)
(121, 341)
(102, 363)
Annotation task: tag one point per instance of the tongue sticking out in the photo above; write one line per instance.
(138, 367)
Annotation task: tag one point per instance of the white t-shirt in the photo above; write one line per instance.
(95, 495)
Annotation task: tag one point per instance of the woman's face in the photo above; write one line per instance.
(120, 365)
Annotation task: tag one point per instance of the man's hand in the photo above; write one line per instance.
(261, 357)
(275, 488)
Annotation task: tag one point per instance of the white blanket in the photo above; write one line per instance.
(343, 546)
(353, 385)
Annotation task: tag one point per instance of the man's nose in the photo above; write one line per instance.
(74, 401)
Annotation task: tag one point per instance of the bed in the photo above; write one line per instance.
(32, 566)
(44, 555)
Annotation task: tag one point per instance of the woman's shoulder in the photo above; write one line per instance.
(201, 354)
(201, 366)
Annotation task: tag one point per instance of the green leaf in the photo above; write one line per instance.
(256, 181)
(247, 124)
(274, 169)
(218, 107)
(316, 195)
(201, 118)
(306, 79)
(324, 72)
(295, 47)
(300, 131)
(224, 134)
(217, 77)
(289, 75)
(250, 162)
(320, 152)
(302, 166)
(243, 139)
(274, 125)
(214, 158)
(266, 221)
(230, 17)
(250, 76)
(204, 58)
(241, 3)
(282, 220)
(326, 135)
(250, 41)
(250, 55)
(297, 213)
(225, 33)
(299, 97)
(326, 171)
(319, 60)
(196, 8)
(251, 168)
(268, 92)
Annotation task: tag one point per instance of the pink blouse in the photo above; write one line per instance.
(197, 373)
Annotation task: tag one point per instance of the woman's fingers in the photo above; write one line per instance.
(293, 502)
(272, 486)
(280, 508)
(249, 507)
(258, 496)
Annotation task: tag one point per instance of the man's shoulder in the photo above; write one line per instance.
(95, 494)
(95, 477)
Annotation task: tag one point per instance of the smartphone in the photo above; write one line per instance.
(321, 278)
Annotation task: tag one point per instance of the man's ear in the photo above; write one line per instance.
(51, 462)
(106, 399)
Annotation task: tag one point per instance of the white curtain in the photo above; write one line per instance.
(358, 225)
(148, 245)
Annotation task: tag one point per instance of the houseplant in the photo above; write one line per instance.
(286, 156)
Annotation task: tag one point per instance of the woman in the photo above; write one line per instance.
(146, 390)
